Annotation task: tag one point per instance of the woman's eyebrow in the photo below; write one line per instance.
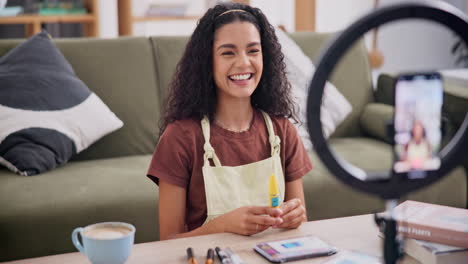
(251, 44)
(232, 46)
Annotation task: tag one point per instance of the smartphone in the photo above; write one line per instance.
(281, 251)
(417, 123)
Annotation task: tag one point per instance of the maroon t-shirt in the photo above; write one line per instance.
(178, 157)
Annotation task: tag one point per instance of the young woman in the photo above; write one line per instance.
(226, 131)
(418, 149)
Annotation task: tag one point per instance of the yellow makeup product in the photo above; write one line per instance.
(274, 192)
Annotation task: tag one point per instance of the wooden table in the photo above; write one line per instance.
(354, 233)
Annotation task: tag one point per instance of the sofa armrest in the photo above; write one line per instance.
(374, 120)
(455, 97)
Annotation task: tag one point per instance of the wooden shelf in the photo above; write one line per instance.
(33, 22)
(163, 18)
(26, 19)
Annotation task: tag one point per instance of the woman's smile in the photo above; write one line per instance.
(241, 79)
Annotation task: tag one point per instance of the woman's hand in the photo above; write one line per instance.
(249, 220)
(294, 213)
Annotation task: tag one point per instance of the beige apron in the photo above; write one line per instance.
(228, 188)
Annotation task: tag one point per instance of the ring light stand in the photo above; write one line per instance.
(451, 155)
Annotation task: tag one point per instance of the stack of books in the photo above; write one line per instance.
(435, 253)
(62, 7)
(435, 234)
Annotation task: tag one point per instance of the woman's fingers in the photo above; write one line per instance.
(259, 218)
(296, 222)
(265, 220)
(257, 228)
(293, 213)
(298, 211)
(290, 205)
(294, 218)
(265, 210)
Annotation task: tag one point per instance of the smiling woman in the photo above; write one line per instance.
(237, 67)
(226, 132)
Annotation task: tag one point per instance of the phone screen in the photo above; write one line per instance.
(418, 110)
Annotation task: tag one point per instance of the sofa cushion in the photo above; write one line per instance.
(49, 207)
(47, 113)
(299, 71)
(168, 51)
(122, 73)
(327, 197)
(375, 120)
(351, 76)
(385, 92)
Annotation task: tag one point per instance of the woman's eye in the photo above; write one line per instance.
(227, 53)
(254, 51)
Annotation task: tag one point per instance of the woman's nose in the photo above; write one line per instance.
(242, 60)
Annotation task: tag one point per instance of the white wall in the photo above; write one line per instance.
(108, 19)
(411, 45)
(416, 45)
(334, 15)
(278, 12)
(167, 28)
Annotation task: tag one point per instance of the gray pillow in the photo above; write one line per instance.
(47, 113)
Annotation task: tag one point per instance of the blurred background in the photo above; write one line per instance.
(400, 46)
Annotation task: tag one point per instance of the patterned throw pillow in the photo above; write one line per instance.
(47, 114)
(300, 70)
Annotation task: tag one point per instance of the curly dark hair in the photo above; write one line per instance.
(193, 91)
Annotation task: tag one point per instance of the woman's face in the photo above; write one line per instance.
(237, 60)
(418, 131)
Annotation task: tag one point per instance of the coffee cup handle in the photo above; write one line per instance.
(75, 239)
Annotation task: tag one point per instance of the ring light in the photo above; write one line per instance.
(451, 155)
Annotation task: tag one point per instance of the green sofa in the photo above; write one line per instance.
(107, 181)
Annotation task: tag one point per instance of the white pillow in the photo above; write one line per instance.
(299, 70)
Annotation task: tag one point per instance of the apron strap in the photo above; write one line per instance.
(209, 150)
(275, 141)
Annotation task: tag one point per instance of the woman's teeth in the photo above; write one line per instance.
(240, 77)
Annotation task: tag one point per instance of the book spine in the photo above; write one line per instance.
(433, 234)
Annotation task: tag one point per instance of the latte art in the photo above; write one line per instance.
(107, 232)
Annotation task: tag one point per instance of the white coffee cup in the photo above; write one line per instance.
(105, 243)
